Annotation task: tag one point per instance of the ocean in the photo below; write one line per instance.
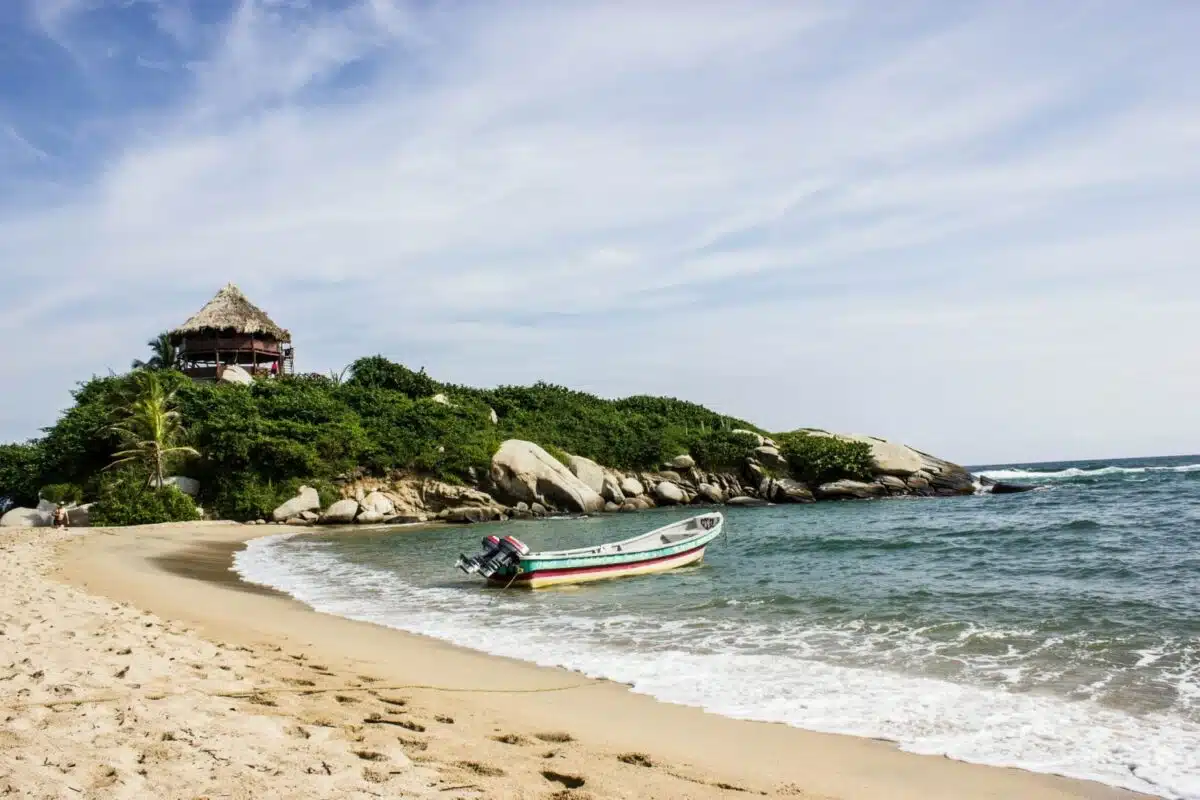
(1056, 630)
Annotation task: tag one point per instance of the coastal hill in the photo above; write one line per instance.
(383, 442)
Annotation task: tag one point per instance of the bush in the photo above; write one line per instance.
(820, 459)
(376, 372)
(20, 472)
(65, 493)
(128, 501)
(721, 450)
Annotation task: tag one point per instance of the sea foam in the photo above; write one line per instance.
(1077, 472)
(742, 673)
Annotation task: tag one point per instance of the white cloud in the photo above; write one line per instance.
(951, 232)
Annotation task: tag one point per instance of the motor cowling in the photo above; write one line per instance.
(497, 554)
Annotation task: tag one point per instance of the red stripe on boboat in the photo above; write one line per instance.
(542, 573)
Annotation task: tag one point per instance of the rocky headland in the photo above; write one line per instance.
(526, 481)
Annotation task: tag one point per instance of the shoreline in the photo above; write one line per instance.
(182, 572)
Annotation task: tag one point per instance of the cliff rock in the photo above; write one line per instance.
(305, 500)
(523, 471)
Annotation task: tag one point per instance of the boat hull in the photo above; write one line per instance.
(541, 578)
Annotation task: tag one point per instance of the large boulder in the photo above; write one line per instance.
(232, 373)
(711, 493)
(892, 483)
(25, 518)
(370, 517)
(80, 516)
(342, 512)
(589, 472)
(770, 458)
(632, 487)
(746, 501)
(611, 491)
(305, 500)
(887, 458)
(1000, 487)
(668, 493)
(466, 515)
(523, 471)
(847, 489)
(189, 486)
(792, 491)
(378, 503)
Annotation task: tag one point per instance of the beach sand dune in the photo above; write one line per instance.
(134, 664)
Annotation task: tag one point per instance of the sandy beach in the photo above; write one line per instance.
(134, 663)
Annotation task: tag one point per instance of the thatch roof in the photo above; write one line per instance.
(230, 311)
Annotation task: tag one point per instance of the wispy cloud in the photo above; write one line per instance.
(931, 223)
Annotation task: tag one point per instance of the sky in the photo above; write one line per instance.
(972, 227)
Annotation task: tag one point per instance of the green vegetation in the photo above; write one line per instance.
(165, 355)
(150, 428)
(820, 459)
(20, 472)
(252, 446)
(127, 500)
(63, 493)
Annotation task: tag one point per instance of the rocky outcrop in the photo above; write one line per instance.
(668, 493)
(589, 472)
(611, 490)
(632, 487)
(342, 512)
(472, 514)
(232, 373)
(525, 482)
(788, 490)
(25, 518)
(770, 458)
(523, 471)
(305, 500)
(847, 489)
(999, 487)
(378, 503)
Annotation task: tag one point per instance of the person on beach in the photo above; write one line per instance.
(61, 519)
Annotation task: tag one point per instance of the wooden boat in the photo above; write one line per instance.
(508, 562)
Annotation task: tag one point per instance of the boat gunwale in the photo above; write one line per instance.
(592, 552)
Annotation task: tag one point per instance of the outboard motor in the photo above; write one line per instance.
(497, 554)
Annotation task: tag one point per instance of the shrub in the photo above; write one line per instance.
(718, 450)
(820, 459)
(376, 372)
(126, 500)
(67, 493)
(20, 472)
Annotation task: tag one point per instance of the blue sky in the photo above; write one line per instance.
(968, 226)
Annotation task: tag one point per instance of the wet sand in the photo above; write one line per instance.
(301, 704)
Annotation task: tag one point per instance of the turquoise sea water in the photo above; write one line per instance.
(1056, 630)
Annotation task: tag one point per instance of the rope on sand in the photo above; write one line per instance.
(251, 693)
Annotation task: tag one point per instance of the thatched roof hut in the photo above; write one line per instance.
(230, 311)
(232, 330)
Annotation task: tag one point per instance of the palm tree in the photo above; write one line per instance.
(165, 354)
(151, 428)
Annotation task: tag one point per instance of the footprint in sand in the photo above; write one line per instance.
(569, 781)
(511, 738)
(480, 769)
(636, 759)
